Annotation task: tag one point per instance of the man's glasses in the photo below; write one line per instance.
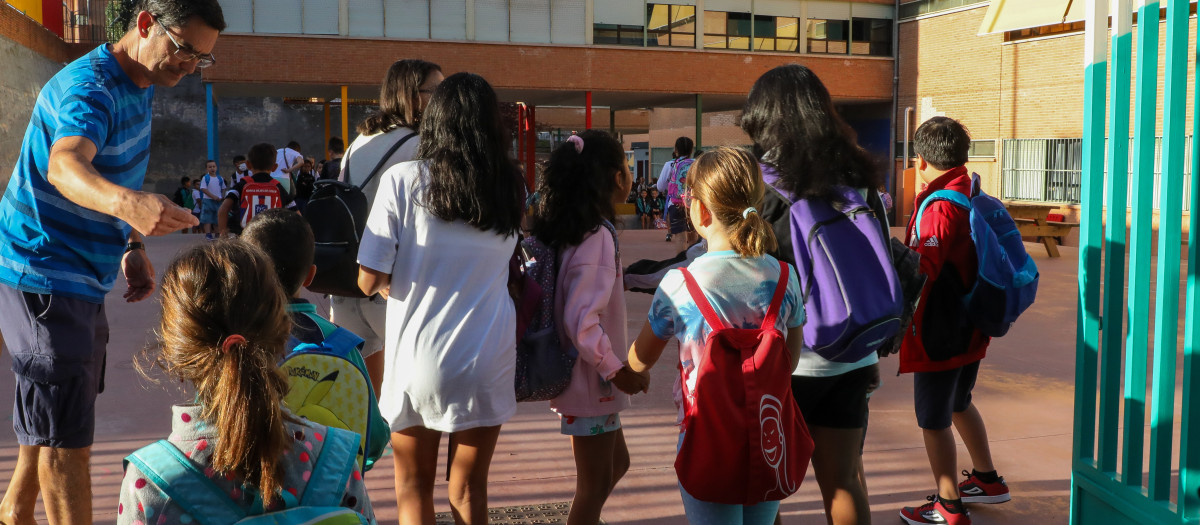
(203, 60)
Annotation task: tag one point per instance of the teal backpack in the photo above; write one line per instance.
(185, 484)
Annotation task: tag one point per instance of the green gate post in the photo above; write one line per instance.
(1101, 490)
(1115, 238)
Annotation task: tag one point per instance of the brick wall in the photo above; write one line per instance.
(29, 33)
(362, 62)
(1028, 89)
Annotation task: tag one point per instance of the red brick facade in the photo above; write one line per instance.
(29, 33)
(362, 62)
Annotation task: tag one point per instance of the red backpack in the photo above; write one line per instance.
(745, 439)
(258, 197)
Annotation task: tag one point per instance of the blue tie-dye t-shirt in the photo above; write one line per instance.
(740, 290)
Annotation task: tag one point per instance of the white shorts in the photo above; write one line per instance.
(366, 317)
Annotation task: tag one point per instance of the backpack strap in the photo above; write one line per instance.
(185, 484)
(339, 342)
(382, 160)
(952, 196)
(616, 244)
(701, 301)
(329, 476)
(777, 299)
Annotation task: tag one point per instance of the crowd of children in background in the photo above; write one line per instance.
(440, 231)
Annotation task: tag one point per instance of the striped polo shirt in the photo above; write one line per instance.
(48, 244)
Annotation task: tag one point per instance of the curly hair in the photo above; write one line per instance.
(577, 188)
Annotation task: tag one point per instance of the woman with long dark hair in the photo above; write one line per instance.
(402, 100)
(437, 244)
(807, 150)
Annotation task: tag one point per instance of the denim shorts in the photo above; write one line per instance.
(58, 347)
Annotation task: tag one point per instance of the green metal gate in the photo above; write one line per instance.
(1114, 343)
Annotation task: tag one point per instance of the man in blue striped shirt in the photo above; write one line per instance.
(72, 217)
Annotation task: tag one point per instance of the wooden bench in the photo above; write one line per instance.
(1049, 231)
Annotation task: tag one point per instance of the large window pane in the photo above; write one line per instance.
(828, 36)
(671, 25)
(871, 36)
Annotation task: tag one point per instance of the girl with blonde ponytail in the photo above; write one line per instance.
(224, 327)
(738, 278)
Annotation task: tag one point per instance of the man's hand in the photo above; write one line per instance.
(631, 382)
(139, 275)
(154, 214)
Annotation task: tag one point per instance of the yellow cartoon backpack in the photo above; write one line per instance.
(329, 385)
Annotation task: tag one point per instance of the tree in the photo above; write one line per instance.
(118, 14)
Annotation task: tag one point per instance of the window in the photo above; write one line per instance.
(924, 7)
(617, 34)
(784, 37)
(828, 36)
(733, 31)
(982, 148)
(871, 36)
(671, 25)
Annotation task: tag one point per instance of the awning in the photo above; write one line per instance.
(1011, 15)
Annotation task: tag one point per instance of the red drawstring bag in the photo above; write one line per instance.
(745, 441)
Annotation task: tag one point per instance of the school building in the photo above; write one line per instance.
(654, 71)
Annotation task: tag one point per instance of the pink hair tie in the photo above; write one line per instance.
(578, 142)
(231, 340)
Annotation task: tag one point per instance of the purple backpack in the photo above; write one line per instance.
(852, 295)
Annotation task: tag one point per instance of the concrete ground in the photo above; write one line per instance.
(1024, 393)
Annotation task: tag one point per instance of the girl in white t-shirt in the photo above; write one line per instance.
(586, 178)
(738, 278)
(437, 244)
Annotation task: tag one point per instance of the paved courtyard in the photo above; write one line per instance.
(1024, 392)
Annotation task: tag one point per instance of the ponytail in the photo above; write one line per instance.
(224, 325)
(728, 182)
(245, 404)
(751, 236)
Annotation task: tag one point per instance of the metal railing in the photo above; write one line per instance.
(1049, 170)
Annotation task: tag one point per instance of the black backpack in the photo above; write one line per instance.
(337, 213)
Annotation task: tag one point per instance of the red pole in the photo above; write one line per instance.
(520, 129)
(588, 116)
(531, 152)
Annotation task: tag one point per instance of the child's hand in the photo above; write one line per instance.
(631, 382)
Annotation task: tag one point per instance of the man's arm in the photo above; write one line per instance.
(72, 174)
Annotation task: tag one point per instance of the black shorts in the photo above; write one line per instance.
(677, 217)
(837, 401)
(937, 395)
(58, 347)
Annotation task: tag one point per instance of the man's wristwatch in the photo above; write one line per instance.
(134, 246)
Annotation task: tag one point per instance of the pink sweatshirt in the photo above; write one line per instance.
(590, 311)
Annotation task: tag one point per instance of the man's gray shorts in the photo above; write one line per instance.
(58, 350)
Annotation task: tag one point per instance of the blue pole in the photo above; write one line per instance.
(211, 107)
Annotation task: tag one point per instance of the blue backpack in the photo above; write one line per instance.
(185, 484)
(1007, 280)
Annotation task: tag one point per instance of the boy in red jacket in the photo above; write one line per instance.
(942, 348)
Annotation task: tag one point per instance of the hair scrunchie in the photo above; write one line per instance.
(578, 142)
(746, 212)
